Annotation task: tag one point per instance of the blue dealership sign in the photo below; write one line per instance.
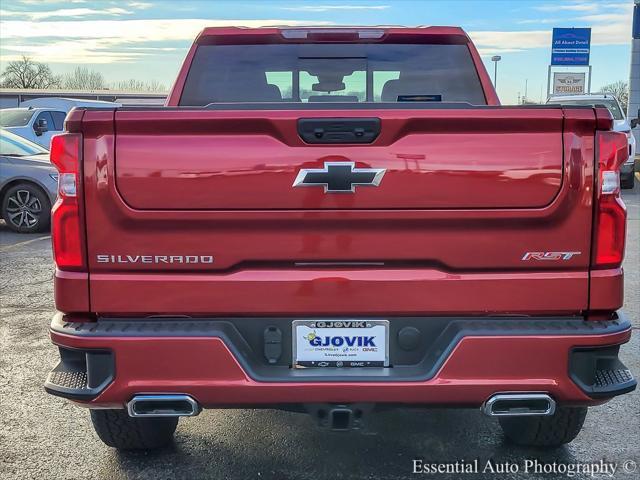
(570, 46)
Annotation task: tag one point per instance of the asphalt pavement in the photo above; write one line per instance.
(44, 437)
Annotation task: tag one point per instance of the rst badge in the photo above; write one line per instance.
(549, 256)
(337, 177)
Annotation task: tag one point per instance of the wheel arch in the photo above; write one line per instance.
(18, 180)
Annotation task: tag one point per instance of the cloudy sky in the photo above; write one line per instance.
(148, 39)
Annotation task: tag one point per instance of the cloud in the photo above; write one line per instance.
(139, 5)
(571, 7)
(495, 42)
(606, 29)
(587, 13)
(606, 17)
(11, 13)
(65, 13)
(540, 21)
(155, 49)
(130, 31)
(107, 41)
(71, 51)
(40, 2)
(328, 8)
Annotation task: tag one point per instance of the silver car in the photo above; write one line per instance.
(28, 184)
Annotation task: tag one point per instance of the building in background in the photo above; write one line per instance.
(634, 76)
(13, 97)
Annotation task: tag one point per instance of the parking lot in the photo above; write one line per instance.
(45, 437)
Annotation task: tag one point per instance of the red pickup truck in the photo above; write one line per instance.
(331, 220)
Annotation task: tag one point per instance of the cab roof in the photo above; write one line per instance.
(330, 33)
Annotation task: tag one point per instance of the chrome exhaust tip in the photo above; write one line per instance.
(163, 405)
(519, 405)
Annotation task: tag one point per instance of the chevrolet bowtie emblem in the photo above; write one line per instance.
(339, 177)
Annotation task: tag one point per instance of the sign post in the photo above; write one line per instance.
(570, 47)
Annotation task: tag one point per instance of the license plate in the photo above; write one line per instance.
(340, 343)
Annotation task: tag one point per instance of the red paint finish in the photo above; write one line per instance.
(422, 250)
(71, 291)
(306, 291)
(499, 158)
(606, 290)
(467, 193)
(206, 369)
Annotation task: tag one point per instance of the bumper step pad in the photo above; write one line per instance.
(600, 373)
(68, 380)
(607, 380)
(80, 375)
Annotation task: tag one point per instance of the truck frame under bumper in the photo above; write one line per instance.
(224, 362)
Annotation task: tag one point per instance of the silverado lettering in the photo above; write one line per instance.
(418, 267)
(154, 258)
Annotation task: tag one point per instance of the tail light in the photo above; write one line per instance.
(611, 214)
(66, 226)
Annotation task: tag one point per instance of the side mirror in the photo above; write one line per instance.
(40, 127)
(634, 122)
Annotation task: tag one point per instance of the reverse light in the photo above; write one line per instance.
(611, 214)
(610, 182)
(67, 184)
(66, 231)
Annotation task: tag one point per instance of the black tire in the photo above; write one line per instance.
(627, 181)
(552, 431)
(26, 208)
(117, 429)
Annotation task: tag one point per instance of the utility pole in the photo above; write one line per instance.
(495, 59)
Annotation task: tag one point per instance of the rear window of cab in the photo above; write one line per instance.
(342, 73)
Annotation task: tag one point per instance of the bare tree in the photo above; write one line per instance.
(156, 86)
(134, 85)
(84, 79)
(621, 91)
(26, 73)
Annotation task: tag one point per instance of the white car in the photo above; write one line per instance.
(39, 119)
(620, 124)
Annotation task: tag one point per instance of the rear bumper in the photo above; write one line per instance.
(218, 363)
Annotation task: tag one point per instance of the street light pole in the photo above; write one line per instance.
(495, 59)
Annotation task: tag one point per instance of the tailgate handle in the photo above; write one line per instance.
(338, 130)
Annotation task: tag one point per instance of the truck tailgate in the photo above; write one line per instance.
(209, 160)
(194, 212)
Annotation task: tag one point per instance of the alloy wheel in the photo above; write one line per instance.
(24, 209)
